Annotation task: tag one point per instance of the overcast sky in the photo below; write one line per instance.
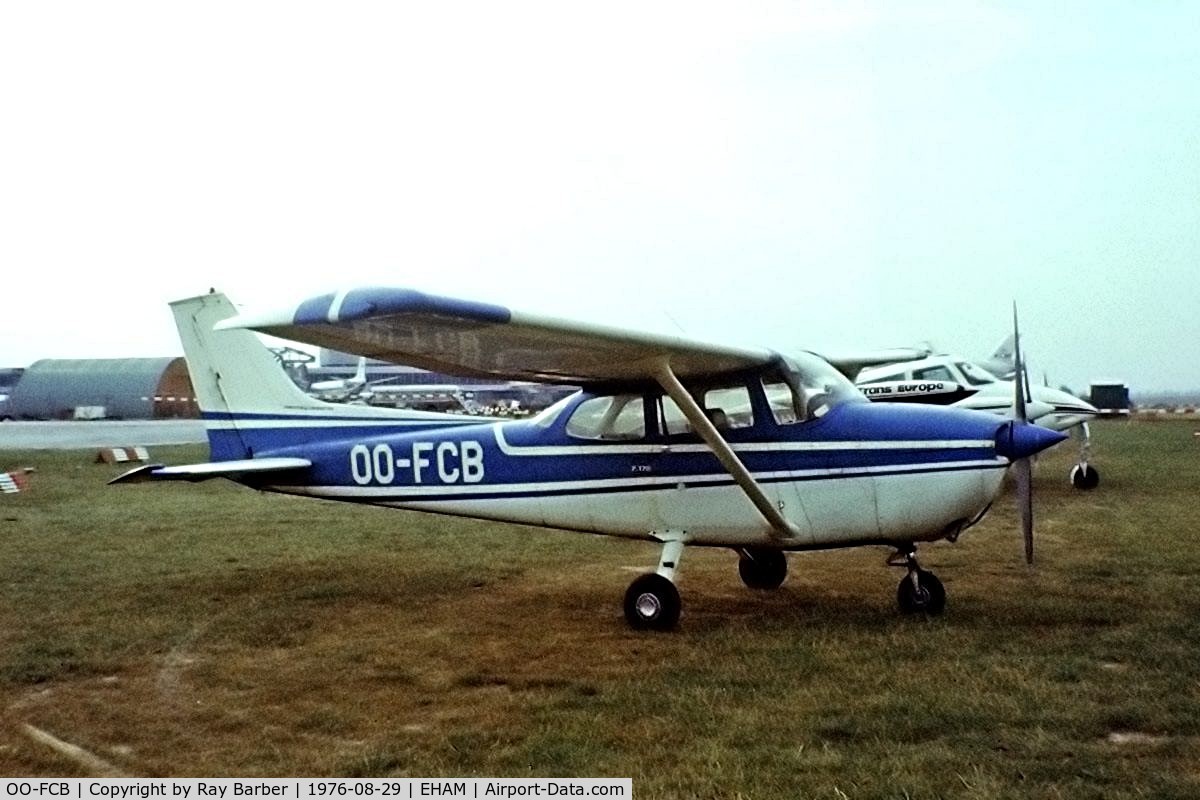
(795, 175)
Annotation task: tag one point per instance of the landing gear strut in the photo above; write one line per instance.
(762, 568)
(652, 601)
(920, 591)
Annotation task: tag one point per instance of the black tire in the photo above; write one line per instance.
(652, 603)
(930, 598)
(762, 568)
(1084, 478)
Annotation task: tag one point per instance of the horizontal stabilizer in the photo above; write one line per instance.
(214, 469)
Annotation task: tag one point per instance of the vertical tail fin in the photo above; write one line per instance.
(1000, 362)
(232, 372)
(249, 403)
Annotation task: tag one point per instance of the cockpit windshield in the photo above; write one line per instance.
(975, 374)
(805, 387)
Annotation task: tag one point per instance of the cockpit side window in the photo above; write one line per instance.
(728, 407)
(938, 373)
(784, 399)
(806, 387)
(620, 418)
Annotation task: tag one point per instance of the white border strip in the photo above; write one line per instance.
(661, 482)
(335, 307)
(748, 447)
(349, 422)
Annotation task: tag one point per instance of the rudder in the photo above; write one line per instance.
(232, 372)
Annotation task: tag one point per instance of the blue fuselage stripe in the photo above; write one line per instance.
(691, 482)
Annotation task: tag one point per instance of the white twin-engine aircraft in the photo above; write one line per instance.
(670, 440)
(947, 379)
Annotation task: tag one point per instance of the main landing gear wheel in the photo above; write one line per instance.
(919, 592)
(926, 595)
(762, 568)
(652, 603)
(1084, 477)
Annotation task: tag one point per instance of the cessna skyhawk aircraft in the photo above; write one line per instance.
(671, 440)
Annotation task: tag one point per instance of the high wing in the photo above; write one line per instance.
(850, 364)
(461, 337)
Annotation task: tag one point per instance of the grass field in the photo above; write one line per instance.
(186, 630)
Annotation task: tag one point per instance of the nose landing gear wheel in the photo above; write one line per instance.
(652, 603)
(927, 596)
(1085, 477)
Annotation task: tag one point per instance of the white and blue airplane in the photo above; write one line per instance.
(670, 440)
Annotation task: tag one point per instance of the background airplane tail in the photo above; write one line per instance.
(1000, 363)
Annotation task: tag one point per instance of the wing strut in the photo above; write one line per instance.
(780, 527)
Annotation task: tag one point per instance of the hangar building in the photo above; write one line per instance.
(9, 376)
(115, 388)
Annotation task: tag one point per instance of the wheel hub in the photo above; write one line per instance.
(648, 606)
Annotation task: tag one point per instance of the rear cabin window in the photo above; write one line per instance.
(619, 418)
(673, 422)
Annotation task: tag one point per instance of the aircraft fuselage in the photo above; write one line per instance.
(860, 473)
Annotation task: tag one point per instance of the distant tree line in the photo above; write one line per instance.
(1167, 399)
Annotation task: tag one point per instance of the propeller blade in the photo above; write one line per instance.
(1023, 466)
(1025, 504)
(1019, 370)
